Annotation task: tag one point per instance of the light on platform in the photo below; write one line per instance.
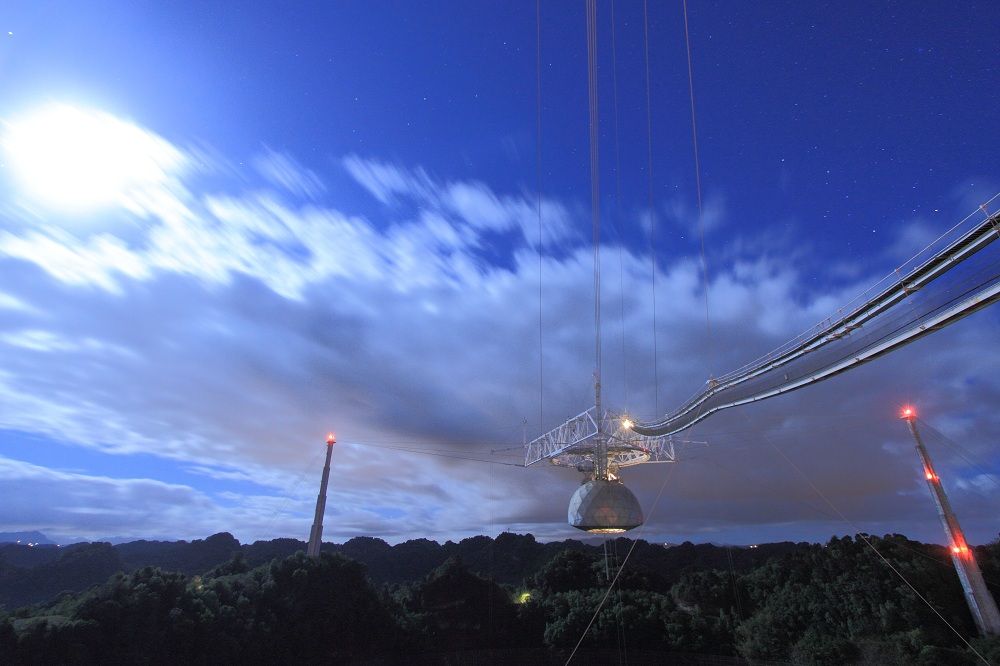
(627, 423)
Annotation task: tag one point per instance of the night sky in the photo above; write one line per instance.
(228, 228)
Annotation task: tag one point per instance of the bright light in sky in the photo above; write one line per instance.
(78, 159)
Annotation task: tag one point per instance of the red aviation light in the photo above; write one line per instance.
(908, 413)
(930, 477)
(330, 439)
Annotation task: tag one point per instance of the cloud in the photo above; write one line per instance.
(93, 506)
(282, 170)
(468, 203)
(228, 330)
(8, 302)
(685, 215)
(388, 182)
(288, 247)
(913, 238)
(984, 484)
(97, 261)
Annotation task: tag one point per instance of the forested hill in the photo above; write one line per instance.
(509, 600)
(35, 574)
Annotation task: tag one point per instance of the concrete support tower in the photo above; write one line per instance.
(316, 533)
(981, 603)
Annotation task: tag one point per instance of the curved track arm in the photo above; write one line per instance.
(825, 336)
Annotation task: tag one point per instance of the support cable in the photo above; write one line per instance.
(877, 322)
(839, 427)
(439, 454)
(618, 197)
(864, 537)
(622, 634)
(607, 577)
(697, 180)
(736, 587)
(595, 200)
(310, 466)
(704, 459)
(601, 458)
(960, 451)
(611, 586)
(538, 207)
(649, 202)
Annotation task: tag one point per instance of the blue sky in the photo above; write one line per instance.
(330, 223)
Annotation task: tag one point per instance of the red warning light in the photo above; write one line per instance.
(908, 413)
(956, 550)
(930, 476)
(330, 439)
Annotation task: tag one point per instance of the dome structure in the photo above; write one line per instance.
(603, 506)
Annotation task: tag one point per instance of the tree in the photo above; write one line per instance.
(569, 570)
(460, 609)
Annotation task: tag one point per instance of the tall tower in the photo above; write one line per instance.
(981, 603)
(316, 533)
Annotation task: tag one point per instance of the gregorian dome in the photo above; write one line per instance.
(604, 506)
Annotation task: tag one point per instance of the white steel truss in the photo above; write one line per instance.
(574, 443)
(572, 433)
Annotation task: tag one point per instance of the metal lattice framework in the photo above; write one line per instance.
(575, 443)
(953, 277)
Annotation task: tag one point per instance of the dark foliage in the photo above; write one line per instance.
(75, 568)
(24, 556)
(295, 609)
(454, 607)
(187, 557)
(509, 559)
(806, 604)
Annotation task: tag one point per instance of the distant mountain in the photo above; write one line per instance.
(25, 537)
(68, 569)
(35, 574)
(115, 540)
(186, 557)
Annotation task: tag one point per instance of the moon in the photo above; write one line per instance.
(78, 159)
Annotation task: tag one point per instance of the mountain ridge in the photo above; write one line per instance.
(35, 574)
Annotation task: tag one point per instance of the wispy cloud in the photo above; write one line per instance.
(282, 170)
(229, 330)
(389, 182)
(685, 214)
(468, 203)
